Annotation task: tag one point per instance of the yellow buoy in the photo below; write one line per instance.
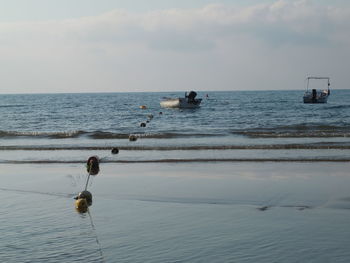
(81, 205)
(143, 107)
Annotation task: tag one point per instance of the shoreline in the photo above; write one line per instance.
(204, 160)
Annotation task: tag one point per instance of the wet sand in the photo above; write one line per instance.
(158, 212)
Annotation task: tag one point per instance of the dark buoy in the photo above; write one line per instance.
(85, 195)
(150, 116)
(132, 138)
(160, 113)
(92, 165)
(147, 121)
(115, 150)
(142, 124)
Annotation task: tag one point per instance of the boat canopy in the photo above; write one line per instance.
(326, 78)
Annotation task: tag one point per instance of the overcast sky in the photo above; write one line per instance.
(163, 45)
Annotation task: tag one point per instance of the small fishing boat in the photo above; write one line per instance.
(316, 96)
(189, 101)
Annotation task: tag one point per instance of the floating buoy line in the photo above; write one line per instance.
(143, 124)
(84, 198)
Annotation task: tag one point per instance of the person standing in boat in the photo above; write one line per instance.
(314, 95)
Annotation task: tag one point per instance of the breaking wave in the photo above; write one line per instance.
(52, 135)
(303, 130)
(99, 135)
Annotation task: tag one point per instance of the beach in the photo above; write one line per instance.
(177, 212)
(190, 131)
(246, 177)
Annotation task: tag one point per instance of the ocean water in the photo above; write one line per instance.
(247, 177)
(240, 125)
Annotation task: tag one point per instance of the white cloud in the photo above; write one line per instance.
(214, 47)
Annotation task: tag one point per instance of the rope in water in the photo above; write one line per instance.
(87, 180)
(93, 169)
(96, 237)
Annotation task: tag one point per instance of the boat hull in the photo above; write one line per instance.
(311, 100)
(180, 103)
(320, 98)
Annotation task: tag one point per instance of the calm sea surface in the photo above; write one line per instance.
(247, 177)
(269, 125)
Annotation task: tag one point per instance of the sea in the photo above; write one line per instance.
(249, 176)
(229, 126)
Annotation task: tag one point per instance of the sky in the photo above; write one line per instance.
(55, 46)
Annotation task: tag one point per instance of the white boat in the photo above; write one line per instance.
(316, 96)
(188, 102)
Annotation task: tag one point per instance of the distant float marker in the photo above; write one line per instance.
(132, 138)
(115, 150)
